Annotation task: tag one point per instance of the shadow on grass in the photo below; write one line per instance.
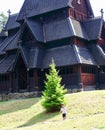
(41, 117)
(16, 105)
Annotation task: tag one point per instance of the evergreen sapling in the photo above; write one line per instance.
(53, 95)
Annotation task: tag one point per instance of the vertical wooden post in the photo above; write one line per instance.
(80, 84)
(10, 83)
(97, 77)
(36, 80)
(28, 82)
(18, 81)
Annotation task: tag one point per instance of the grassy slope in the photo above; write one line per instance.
(86, 111)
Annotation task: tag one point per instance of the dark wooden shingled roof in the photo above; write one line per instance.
(33, 56)
(37, 7)
(1, 40)
(62, 56)
(36, 28)
(56, 29)
(11, 23)
(13, 44)
(68, 55)
(25, 53)
(36, 56)
(93, 27)
(64, 28)
(85, 57)
(5, 43)
(97, 53)
(6, 63)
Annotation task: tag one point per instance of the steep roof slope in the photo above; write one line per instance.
(11, 22)
(93, 27)
(62, 56)
(97, 53)
(36, 7)
(36, 28)
(68, 55)
(66, 27)
(84, 55)
(7, 63)
(33, 56)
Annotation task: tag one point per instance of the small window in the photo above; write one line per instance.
(79, 1)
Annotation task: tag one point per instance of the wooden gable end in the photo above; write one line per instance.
(81, 10)
(26, 35)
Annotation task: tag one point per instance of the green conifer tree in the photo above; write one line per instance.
(53, 95)
(3, 19)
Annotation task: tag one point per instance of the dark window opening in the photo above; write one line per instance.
(87, 69)
(31, 73)
(65, 70)
(4, 78)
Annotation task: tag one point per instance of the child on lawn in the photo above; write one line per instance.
(63, 110)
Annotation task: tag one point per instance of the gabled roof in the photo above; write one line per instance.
(11, 23)
(36, 7)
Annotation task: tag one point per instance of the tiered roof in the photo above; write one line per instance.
(49, 31)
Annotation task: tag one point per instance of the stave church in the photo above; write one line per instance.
(64, 30)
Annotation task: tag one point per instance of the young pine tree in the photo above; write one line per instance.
(53, 95)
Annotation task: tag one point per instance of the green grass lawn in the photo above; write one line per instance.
(86, 111)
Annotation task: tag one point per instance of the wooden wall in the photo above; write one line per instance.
(5, 83)
(88, 79)
(80, 11)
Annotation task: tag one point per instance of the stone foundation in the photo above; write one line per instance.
(6, 97)
(10, 96)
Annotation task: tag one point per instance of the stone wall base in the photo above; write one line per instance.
(6, 97)
(10, 96)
